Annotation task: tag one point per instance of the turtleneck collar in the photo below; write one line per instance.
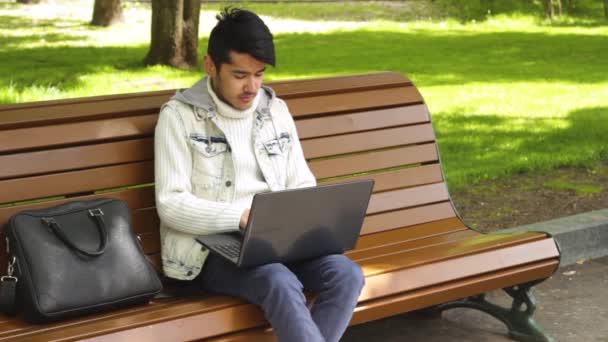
(226, 110)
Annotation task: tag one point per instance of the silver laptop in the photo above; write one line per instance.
(297, 224)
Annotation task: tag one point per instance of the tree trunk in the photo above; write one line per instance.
(174, 38)
(549, 9)
(559, 8)
(606, 8)
(106, 12)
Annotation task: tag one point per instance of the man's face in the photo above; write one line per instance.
(237, 83)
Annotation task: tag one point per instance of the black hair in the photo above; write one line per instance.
(241, 31)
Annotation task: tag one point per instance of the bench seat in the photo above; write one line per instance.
(414, 249)
(444, 266)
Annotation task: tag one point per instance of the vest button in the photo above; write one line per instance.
(228, 183)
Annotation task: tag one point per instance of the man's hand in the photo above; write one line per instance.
(244, 219)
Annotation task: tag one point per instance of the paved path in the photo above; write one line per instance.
(572, 307)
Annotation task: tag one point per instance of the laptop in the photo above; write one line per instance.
(296, 224)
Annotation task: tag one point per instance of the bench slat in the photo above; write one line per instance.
(76, 133)
(74, 182)
(307, 87)
(407, 217)
(389, 180)
(73, 158)
(135, 198)
(353, 101)
(376, 160)
(358, 142)
(145, 220)
(405, 198)
(444, 247)
(399, 247)
(363, 121)
(415, 232)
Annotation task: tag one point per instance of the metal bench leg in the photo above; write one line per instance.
(518, 318)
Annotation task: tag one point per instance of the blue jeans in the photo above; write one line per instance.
(277, 289)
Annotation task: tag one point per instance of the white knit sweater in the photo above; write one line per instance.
(238, 125)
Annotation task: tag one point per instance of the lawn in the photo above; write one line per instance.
(508, 93)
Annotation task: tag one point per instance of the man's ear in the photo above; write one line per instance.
(209, 65)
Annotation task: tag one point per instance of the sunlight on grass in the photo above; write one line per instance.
(580, 189)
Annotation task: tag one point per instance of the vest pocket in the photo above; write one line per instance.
(208, 156)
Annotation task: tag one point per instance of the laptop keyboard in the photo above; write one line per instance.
(231, 249)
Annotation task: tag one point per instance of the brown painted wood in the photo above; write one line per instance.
(94, 108)
(407, 217)
(145, 221)
(136, 199)
(397, 247)
(363, 121)
(389, 180)
(372, 140)
(340, 84)
(59, 184)
(377, 160)
(382, 266)
(76, 133)
(416, 232)
(405, 198)
(353, 101)
(150, 242)
(73, 158)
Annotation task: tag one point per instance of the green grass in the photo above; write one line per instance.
(580, 189)
(508, 93)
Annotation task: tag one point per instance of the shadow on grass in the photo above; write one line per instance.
(61, 67)
(42, 31)
(475, 146)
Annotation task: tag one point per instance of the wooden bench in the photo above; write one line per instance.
(414, 249)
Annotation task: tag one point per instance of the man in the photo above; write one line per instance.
(216, 145)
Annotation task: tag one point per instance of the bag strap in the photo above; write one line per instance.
(97, 215)
(8, 288)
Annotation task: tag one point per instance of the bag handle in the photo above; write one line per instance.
(97, 214)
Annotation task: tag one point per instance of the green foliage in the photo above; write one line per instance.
(508, 94)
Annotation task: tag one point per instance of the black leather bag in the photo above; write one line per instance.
(76, 258)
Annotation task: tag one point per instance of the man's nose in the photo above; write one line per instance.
(252, 85)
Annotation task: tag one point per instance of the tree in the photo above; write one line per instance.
(174, 39)
(106, 12)
(550, 8)
(606, 8)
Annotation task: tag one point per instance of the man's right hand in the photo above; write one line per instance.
(244, 219)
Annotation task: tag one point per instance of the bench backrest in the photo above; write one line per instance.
(365, 126)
